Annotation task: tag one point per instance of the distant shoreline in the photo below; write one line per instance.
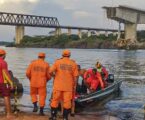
(73, 41)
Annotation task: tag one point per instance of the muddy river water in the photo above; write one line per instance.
(126, 65)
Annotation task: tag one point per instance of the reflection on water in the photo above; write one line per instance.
(129, 66)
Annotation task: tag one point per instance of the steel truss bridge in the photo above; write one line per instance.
(27, 20)
(39, 21)
(22, 20)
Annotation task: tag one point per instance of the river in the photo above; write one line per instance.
(128, 66)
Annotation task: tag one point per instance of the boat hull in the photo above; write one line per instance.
(96, 96)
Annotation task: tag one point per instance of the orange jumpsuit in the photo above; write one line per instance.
(38, 74)
(66, 73)
(93, 80)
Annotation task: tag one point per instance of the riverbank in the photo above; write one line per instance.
(73, 41)
(32, 116)
(28, 116)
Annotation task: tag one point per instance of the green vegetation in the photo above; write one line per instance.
(72, 41)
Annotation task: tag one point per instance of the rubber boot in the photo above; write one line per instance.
(35, 109)
(53, 114)
(65, 113)
(41, 111)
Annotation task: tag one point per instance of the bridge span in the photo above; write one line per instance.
(23, 20)
(130, 16)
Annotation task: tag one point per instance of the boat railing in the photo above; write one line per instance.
(101, 91)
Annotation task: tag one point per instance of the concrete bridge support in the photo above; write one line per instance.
(20, 30)
(106, 34)
(80, 33)
(130, 16)
(89, 33)
(114, 33)
(58, 31)
(69, 31)
(131, 31)
(97, 33)
(118, 35)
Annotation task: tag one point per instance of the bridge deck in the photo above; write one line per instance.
(39, 21)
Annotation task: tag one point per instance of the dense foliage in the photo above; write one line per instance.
(72, 41)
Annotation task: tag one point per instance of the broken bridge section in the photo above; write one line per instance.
(130, 16)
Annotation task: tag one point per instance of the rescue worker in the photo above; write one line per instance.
(80, 88)
(66, 75)
(102, 70)
(38, 74)
(93, 79)
(6, 84)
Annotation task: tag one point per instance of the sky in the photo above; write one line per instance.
(85, 13)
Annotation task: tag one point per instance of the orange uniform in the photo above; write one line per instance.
(38, 74)
(93, 79)
(65, 71)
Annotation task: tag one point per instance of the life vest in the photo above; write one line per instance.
(6, 78)
(99, 69)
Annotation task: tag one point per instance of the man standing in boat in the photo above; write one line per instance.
(38, 74)
(5, 84)
(66, 75)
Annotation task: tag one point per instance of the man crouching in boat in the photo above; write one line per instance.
(93, 79)
(5, 84)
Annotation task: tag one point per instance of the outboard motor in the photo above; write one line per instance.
(18, 85)
(110, 78)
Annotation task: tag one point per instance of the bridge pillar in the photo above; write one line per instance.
(80, 33)
(20, 30)
(89, 33)
(106, 33)
(114, 33)
(58, 31)
(131, 31)
(69, 31)
(97, 33)
(118, 35)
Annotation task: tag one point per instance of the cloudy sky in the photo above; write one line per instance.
(86, 13)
